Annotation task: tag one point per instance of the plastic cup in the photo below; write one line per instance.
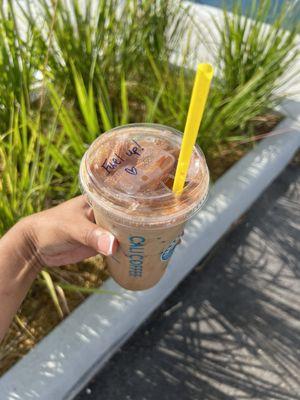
(127, 176)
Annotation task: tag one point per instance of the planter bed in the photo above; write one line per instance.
(62, 363)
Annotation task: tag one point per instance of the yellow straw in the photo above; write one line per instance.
(198, 100)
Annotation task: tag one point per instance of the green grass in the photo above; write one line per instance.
(252, 62)
(253, 58)
(75, 72)
(28, 170)
(19, 60)
(106, 41)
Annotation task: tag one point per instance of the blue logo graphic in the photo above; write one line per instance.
(167, 253)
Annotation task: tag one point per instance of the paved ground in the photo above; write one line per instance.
(232, 329)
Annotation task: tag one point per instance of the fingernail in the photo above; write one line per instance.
(107, 244)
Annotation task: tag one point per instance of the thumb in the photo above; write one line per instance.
(97, 238)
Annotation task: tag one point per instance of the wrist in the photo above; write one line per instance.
(27, 243)
(18, 268)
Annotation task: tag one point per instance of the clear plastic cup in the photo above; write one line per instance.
(127, 174)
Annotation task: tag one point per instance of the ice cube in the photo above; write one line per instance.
(152, 167)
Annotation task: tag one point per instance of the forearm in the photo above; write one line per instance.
(18, 269)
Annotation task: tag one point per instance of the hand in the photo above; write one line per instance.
(65, 234)
(61, 235)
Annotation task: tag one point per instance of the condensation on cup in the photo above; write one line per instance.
(127, 174)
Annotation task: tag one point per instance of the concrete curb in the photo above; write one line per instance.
(62, 363)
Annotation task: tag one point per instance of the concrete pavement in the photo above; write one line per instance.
(231, 330)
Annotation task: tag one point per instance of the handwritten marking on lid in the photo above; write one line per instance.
(131, 171)
(112, 163)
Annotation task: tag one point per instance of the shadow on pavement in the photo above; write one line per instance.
(231, 329)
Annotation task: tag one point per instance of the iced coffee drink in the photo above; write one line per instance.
(127, 174)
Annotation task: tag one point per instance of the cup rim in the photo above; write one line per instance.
(101, 195)
(112, 190)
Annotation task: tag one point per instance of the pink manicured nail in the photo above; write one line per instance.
(107, 244)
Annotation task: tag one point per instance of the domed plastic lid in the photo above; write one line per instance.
(129, 171)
